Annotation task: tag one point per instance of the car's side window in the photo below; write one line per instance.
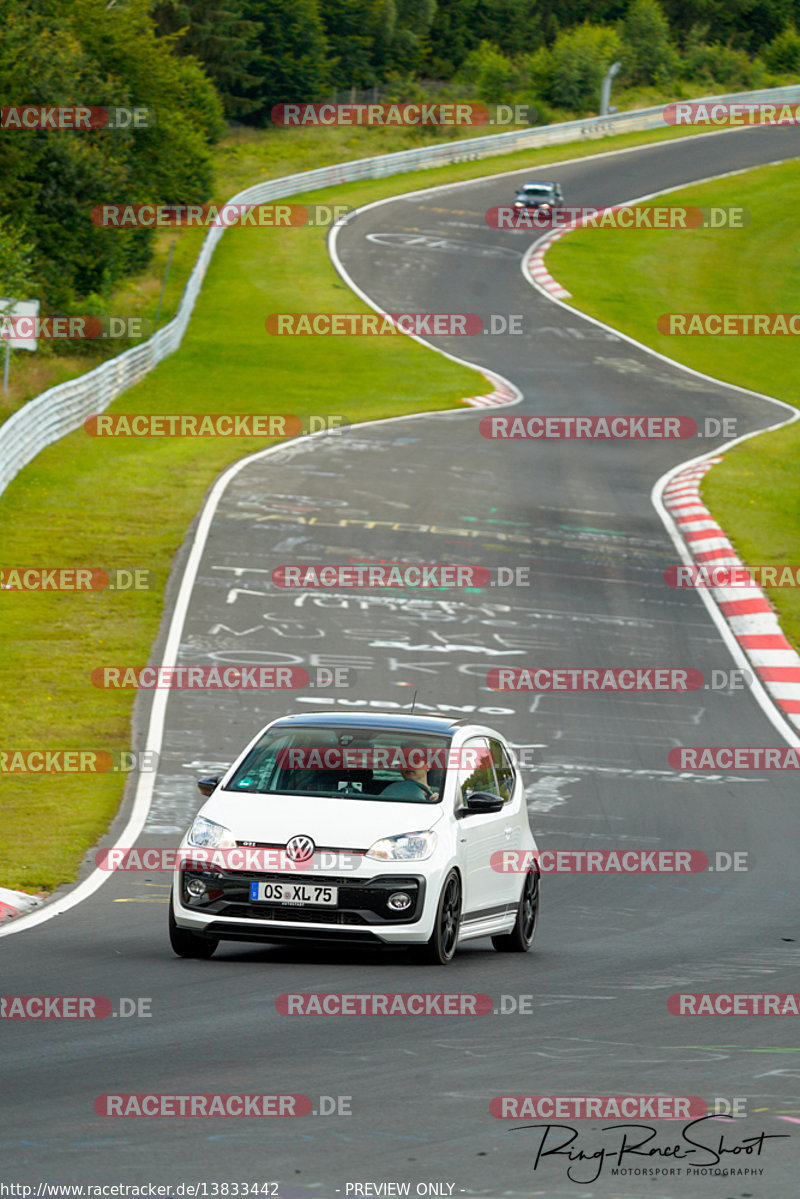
(476, 772)
(503, 769)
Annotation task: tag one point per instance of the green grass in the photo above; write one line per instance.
(755, 492)
(114, 502)
(755, 495)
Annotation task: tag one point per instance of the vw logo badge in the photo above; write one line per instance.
(299, 849)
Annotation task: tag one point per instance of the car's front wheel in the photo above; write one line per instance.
(186, 943)
(520, 939)
(441, 947)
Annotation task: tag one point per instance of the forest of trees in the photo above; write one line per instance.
(264, 52)
(201, 64)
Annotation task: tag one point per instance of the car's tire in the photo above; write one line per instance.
(520, 939)
(441, 947)
(186, 943)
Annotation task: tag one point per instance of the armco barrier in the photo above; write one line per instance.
(64, 408)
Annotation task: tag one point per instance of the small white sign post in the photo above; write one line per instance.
(16, 308)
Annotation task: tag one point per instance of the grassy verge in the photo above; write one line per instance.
(755, 492)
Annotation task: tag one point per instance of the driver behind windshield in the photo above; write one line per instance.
(413, 786)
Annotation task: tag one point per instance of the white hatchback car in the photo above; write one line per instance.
(374, 829)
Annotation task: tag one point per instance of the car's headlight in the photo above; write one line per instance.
(407, 847)
(518, 204)
(205, 834)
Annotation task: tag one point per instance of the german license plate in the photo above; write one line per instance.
(295, 894)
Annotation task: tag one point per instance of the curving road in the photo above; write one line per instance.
(610, 950)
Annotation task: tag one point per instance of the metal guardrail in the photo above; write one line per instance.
(64, 408)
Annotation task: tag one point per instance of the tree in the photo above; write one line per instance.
(782, 55)
(452, 36)
(648, 56)
(491, 73)
(578, 61)
(514, 26)
(294, 62)
(719, 66)
(16, 262)
(551, 29)
(352, 28)
(104, 58)
(408, 44)
(745, 24)
(220, 36)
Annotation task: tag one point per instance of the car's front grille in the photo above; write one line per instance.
(263, 911)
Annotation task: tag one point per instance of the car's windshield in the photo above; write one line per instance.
(536, 190)
(346, 763)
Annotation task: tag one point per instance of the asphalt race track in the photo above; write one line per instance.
(610, 950)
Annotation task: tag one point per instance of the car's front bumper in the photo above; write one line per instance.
(361, 913)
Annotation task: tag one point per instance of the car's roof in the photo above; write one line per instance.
(373, 720)
(537, 183)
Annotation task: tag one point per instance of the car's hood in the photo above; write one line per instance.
(331, 823)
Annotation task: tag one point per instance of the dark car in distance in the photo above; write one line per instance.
(545, 196)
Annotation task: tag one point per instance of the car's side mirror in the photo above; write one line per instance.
(208, 786)
(483, 801)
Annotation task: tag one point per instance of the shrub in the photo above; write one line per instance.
(783, 52)
(578, 61)
(720, 66)
(648, 56)
(492, 74)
